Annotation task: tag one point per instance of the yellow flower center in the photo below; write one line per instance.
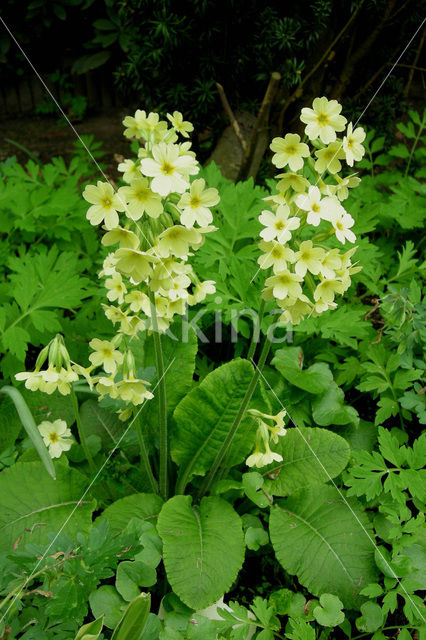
(284, 279)
(53, 437)
(315, 208)
(291, 150)
(279, 225)
(276, 252)
(107, 203)
(141, 194)
(167, 168)
(322, 119)
(195, 202)
(107, 353)
(351, 142)
(339, 225)
(305, 256)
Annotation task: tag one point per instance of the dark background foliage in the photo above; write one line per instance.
(163, 55)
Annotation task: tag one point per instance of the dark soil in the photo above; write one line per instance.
(49, 136)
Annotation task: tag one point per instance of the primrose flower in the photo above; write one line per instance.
(195, 204)
(116, 288)
(308, 258)
(179, 124)
(323, 120)
(135, 264)
(330, 263)
(275, 255)
(33, 379)
(284, 284)
(105, 355)
(168, 169)
(352, 144)
(327, 289)
(318, 208)
(341, 189)
(132, 390)
(292, 180)
(342, 223)
(129, 169)
(126, 238)
(328, 158)
(294, 309)
(278, 225)
(201, 290)
(176, 241)
(105, 204)
(140, 199)
(56, 436)
(289, 150)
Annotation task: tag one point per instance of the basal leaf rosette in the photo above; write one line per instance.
(306, 224)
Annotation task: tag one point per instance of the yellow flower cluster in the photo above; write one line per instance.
(262, 455)
(302, 217)
(155, 223)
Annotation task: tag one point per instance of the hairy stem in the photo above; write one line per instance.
(144, 456)
(256, 331)
(162, 404)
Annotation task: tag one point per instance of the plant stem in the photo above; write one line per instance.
(256, 331)
(419, 133)
(162, 403)
(144, 457)
(237, 421)
(80, 430)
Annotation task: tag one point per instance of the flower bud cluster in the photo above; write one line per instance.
(307, 212)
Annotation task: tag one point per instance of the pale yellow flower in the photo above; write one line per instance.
(56, 436)
(275, 255)
(195, 204)
(179, 124)
(105, 355)
(168, 169)
(135, 264)
(278, 225)
(352, 144)
(284, 284)
(126, 238)
(116, 288)
(329, 158)
(177, 240)
(140, 199)
(105, 204)
(327, 289)
(318, 208)
(308, 258)
(323, 120)
(289, 150)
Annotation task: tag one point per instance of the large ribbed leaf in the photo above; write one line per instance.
(327, 544)
(33, 505)
(145, 506)
(205, 415)
(310, 456)
(203, 548)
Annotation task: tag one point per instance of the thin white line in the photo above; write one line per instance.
(92, 482)
(341, 495)
(82, 141)
(371, 100)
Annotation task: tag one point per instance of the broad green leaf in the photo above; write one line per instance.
(315, 379)
(205, 415)
(325, 542)
(33, 505)
(107, 602)
(51, 407)
(203, 548)
(310, 456)
(329, 408)
(131, 575)
(144, 506)
(329, 613)
(372, 617)
(30, 427)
